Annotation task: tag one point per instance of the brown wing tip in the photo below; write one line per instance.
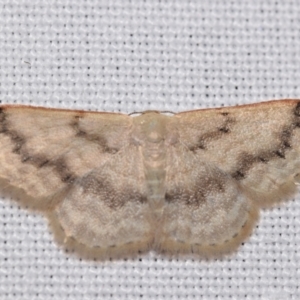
(41, 108)
(250, 105)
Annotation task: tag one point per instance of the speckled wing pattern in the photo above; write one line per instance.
(77, 165)
(114, 185)
(230, 162)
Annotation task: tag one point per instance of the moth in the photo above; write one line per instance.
(115, 184)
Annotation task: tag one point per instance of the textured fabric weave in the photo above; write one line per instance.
(139, 55)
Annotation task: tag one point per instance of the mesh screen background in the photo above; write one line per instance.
(132, 56)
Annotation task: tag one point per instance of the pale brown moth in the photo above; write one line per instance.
(113, 184)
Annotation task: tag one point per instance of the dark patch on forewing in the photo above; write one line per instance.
(17, 140)
(38, 160)
(96, 138)
(111, 193)
(297, 110)
(198, 194)
(216, 134)
(61, 168)
(246, 160)
(224, 113)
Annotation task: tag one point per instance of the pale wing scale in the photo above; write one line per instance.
(193, 182)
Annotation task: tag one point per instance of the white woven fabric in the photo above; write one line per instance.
(132, 56)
